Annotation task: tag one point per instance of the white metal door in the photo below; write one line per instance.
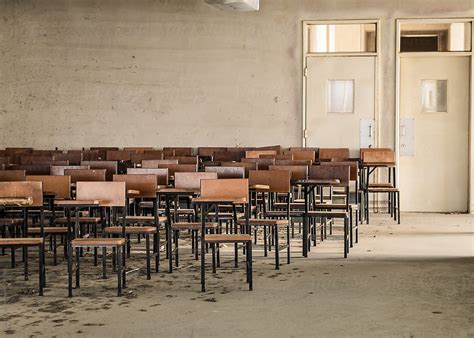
(340, 101)
(434, 103)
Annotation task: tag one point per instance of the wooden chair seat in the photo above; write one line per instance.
(82, 219)
(97, 242)
(10, 242)
(186, 211)
(228, 238)
(382, 190)
(380, 185)
(149, 219)
(130, 230)
(263, 221)
(48, 230)
(337, 206)
(328, 214)
(11, 221)
(192, 226)
(276, 213)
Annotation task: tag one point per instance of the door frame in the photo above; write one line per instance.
(306, 54)
(398, 57)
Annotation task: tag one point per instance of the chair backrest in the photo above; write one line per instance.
(110, 194)
(234, 188)
(86, 155)
(298, 172)
(228, 155)
(257, 153)
(327, 154)
(160, 173)
(72, 158)
(177, 151)
(118, 155)
(302, 154)
(138, 150)
(187, 159)
(287, 157)
(227, 172)
(145, 184)
(33, 169)
(263, 163)
(28, 159)
(246, 165)
(110, 166)
(277, 180)
(179, 168)
(58, 170)
(153, 164)
(138, 158)
(5, 160)
(102, 152)
(86, 175)
(23, 189)
(12, 175)
(293, 162)
(209, 151)
(60, 186)
(192, 180)
(377, 155)
(337, 172)
(354, 168)
(49, 162)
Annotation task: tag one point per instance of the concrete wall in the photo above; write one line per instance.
(172, 72)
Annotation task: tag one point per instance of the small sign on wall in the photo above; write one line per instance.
(367, 133)
(407, 137)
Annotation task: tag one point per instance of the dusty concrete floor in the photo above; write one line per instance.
(414, 279)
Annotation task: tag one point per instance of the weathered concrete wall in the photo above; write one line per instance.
(172, 72)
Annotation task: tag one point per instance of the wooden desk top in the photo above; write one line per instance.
(216, 200)
(77, 203)
(16, 201)
(318, 182)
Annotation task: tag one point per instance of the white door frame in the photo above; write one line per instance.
(399, 56)
(307, 54)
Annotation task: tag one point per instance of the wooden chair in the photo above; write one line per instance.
(12, 175)
(111, 167)
(161, 174)
(235, 192)
(331, 211)
(272, 183)
(137, 158)
(86, 155)
(141, 186)
(119, 155)
(263, 163)
(227, 172)
(59, 170)
(179, 168)
(327, 154)
(54, 188)
(138, 150)
(24, 195)
(177, 151)
(285, 157)
(302, 154)
(246, 165)
(112, 197)
(229, 155)
(86, 175)
(293, 162)
(258, 153)
(33, 169)
(190, 181)
(155, 164)
(372, 159)
(72, 158)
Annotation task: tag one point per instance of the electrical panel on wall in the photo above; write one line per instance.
(407, 137)
(367, 133)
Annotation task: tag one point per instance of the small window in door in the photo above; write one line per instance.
(434, 96)
(340, 96)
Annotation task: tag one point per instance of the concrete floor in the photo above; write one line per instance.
(409, 280)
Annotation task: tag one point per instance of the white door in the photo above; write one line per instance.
(434, 95)
(340, 98)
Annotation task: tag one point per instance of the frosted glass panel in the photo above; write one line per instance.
(340, 96)
(434, 96)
